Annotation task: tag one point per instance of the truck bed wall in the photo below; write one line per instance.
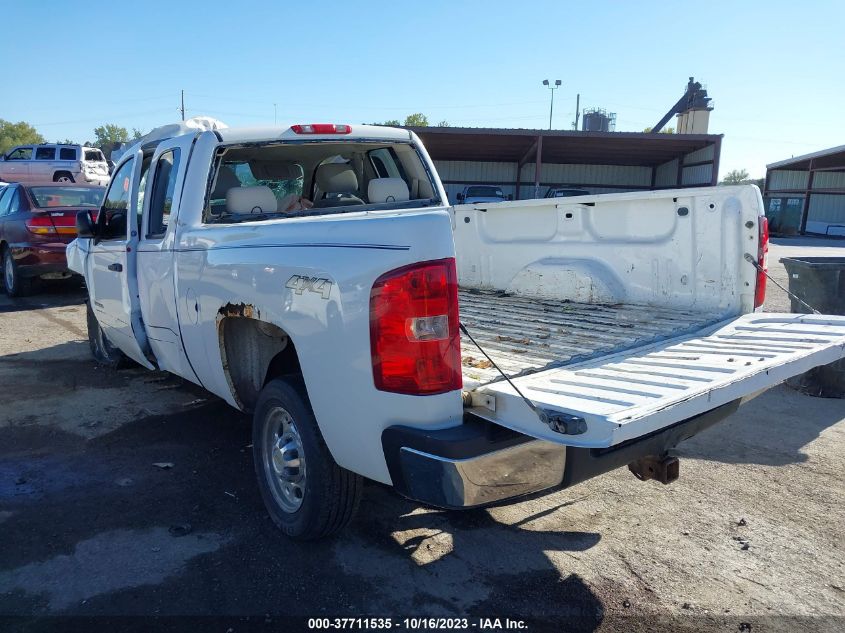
(678, 249)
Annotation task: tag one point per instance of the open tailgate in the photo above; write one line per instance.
(636, 392)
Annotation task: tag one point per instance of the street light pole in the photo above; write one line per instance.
(552, 88)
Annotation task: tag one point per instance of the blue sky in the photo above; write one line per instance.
(774, 69)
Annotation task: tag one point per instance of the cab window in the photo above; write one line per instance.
(111, 222)
(14, 201)
(22, 153)
(164, 186)
(45, 153)
(6, 194)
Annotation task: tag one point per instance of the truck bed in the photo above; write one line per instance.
(525, 335)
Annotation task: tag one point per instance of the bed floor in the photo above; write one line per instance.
(524, 335)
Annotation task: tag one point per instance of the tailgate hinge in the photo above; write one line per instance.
(562, 423)
(476, 399)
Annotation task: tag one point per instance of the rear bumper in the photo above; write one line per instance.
(39, 259)
(478, 463)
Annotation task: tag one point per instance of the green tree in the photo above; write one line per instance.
(67, 141)
(109, 134)
(443, 124)
(20, 133)
(391, 123)
(736, 177)
(417, 119)
(666, 130)
(136, 134)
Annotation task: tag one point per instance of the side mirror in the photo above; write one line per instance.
(460, 197)
(85, 225)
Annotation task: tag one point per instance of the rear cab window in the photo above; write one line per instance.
(94, 156)
(289, 179)
(67, 153)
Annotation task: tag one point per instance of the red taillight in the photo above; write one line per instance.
(321, 128)
(52, 223)
(65, 223)
(414, 336)
(40, 225)
(762, 261)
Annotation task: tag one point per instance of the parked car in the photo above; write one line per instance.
(565, 192)
(54, 163)
(482, 193)
(36, 224)
(293, 276)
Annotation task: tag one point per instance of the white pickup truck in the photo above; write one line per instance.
(317, 277)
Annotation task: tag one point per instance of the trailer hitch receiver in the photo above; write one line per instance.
(664, 469)
(563, 423)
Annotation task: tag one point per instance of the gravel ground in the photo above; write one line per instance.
(751, 534)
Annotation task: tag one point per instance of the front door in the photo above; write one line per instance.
(16, 165)
(110, 274)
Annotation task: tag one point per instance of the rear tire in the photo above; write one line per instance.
(63, 176)
(307, 495)
(102, 350)
(13, 283)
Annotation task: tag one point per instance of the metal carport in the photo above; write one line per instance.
(806, 194)
(528, 161)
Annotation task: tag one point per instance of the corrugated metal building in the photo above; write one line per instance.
(525, 163)
(806, 194)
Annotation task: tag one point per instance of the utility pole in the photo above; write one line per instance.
(552, 88)
(577, 111)
(183, 105)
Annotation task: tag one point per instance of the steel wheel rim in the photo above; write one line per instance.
(284, 460)
(8, 272)
(63, 179)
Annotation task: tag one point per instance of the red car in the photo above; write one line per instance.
(36, 223)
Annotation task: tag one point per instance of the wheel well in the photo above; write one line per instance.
(254, 352)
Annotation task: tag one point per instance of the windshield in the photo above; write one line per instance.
(568, 193)
(484, 192)
(46, 197)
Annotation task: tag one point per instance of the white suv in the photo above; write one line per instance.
(54, 163)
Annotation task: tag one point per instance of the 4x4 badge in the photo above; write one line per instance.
(300, 283)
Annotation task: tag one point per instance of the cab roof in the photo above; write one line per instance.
(358, 132)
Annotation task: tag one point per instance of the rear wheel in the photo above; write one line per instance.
(62, 176)
(101, 348)
(14, 284)
(306, 493)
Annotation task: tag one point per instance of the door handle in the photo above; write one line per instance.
(116, 267)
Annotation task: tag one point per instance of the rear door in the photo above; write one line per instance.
(112, 285)
(630, 394)
(41, 168)
(156, 263)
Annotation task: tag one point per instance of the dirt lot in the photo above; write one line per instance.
(751, 534)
